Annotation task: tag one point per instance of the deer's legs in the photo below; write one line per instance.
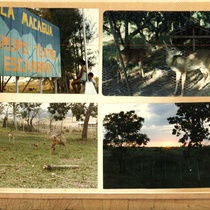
(183, 82)
(204, 81)
(141, 69)
(178, 76)
(119, 75)
(52, 148)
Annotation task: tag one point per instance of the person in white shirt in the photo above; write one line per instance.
(82, 78)
(90, 78)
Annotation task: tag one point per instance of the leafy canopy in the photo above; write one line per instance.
(124, 127)
(192, 122)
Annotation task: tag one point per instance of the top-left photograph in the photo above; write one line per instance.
(49, 50)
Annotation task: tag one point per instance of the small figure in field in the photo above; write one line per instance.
(57, 139)
(82, 78)
(11, 137)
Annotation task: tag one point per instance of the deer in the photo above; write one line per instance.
(181, 64)
(57, 139)
(135, 57)
(11, 137)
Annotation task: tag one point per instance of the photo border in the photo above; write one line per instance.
(100, 198)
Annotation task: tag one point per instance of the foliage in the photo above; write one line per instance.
(2, 108)
(83, 112)
(124, 127)
(79, 110)
(70, 23)
(150, 25)
(58, 110)
(191, 120)
(29, 111)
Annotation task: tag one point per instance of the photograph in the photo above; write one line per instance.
(156, 146)
(105, 105)
(156, 53)
(49, 50)
(48, 145)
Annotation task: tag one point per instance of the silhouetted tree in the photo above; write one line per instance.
(192, 122)
(124, 127)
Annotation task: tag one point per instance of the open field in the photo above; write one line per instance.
(156, 167)
(22, 165)
(34, 86)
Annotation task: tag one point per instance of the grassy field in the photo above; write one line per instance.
(34, 87)
(158, 167)
(23, 165)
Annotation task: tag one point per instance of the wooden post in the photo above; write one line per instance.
(16, 85)
(55, 85)
(84, 34)
(40, 85)
(26, 84)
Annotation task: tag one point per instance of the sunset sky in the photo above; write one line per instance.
(155, 124)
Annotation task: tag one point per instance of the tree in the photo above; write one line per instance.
(123, 128)
(82, 112)
(192, 122)
(127, 25)
(6, 107)
(58, 111)
(28, 112)
(2, 105)
(70, 22)
(79, 110)
(87, 117)
(150, 25)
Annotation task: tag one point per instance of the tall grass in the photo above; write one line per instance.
(156, 167)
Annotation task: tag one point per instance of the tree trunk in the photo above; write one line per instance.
(5, 118)
(87, 117)
(118, 51)
(14, 106)
(5, 122)
(31, 128)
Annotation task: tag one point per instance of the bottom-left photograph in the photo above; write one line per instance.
(48, 145)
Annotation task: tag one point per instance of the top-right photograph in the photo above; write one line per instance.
(156, 53)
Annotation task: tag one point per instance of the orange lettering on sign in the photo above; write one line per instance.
(19, 65)
(13, 45)
(6, 63)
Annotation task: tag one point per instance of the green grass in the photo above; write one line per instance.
(22, 164)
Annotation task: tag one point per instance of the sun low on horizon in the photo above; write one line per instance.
(164, 143)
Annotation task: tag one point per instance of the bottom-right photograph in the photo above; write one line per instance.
(156, 145)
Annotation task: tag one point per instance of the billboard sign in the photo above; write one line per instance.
(29, 45)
